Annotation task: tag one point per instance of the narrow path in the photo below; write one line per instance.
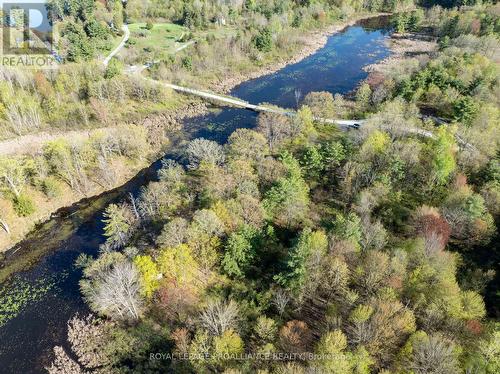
(344, 124)
(185, 46)
(126, 36)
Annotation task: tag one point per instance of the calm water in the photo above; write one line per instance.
(27, 338)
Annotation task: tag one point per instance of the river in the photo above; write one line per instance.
(38, 301)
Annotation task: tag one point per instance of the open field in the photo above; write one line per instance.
(164, 37)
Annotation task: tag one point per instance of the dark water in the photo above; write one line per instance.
(51, 285)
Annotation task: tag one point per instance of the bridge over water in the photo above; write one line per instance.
(355, 123)
(343, 124)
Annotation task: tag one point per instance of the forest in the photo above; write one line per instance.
(295, 247)
(298, 248)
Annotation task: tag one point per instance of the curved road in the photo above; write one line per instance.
(126, 36)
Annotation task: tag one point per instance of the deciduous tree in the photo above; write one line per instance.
(202, 150)
(149, 274)
(115, 292)
(219, 317)
(13, 175)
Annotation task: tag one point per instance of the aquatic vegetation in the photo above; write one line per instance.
(19, 294)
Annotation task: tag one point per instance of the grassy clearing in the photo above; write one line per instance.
(163, 37)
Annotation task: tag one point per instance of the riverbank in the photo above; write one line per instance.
(313, 42)
(403, 47)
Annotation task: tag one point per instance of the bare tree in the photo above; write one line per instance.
(81, 181)
(158, 200)
(219, 316)
(173, 233)
(88, 338)
(321, 104)
(374, 235)
(63, 364)
(199, 150)
(13, 175)
(23, 117)
(68, 162)
(206, 222)
(281, 298)
(116, 293)
(172, 173)
(105, 173)
(361, 332)
(434, 356)
(277, 128)
(133, 207)
(298, 96)
(150, 202)
(335, 276)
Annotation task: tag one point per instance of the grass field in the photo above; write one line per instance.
(163, 37)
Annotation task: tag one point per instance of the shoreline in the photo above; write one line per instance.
(314, 42)
(403, 47)
(20, 228)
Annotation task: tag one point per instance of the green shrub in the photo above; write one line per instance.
(114, 68)
(264, 41)
(24, 206)
(51, 188)
(187, 63)
(149, 25)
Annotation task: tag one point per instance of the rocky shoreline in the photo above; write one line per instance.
(403, 47)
